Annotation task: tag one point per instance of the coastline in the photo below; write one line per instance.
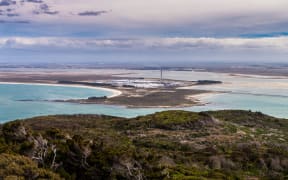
(127, 98)
(204, 98)
(114, 92)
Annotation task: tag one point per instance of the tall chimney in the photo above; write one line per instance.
(161, 75)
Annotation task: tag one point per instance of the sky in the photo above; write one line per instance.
(132, 31)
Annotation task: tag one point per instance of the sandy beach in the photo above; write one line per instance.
(114, 92)
(203, 99)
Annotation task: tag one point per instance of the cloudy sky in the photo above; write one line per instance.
(147, 31)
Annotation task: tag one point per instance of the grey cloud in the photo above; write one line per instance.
(14, 22)
(51, 12)
(12, 14)
(9, 12)
(41, 8)
(33, 1)
(7, 2)
(92, 13)
(45, 9)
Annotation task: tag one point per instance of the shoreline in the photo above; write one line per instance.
(117, 97)
(204, 98)
(114, 92)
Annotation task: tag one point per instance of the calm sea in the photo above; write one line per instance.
(12, 107)
(248, 92)
(258, 93)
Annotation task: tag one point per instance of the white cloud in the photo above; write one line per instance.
(174, 44)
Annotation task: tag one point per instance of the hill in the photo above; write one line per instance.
(230, 144)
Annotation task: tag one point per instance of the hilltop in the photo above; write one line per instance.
(228, 144)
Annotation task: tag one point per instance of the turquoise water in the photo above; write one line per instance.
(276, 106)
(248, 94)
(11, 108)
(268, 94)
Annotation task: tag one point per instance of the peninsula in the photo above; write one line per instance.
(135, 92)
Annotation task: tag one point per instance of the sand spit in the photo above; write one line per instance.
(114, 92)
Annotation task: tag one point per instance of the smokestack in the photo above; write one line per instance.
(161, 75)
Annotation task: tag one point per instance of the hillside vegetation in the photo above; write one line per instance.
(228, 144)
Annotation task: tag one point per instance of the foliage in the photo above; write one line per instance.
(165, 145)
(21, 167)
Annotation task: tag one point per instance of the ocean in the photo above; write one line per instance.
(18, 101)
(249, 92)
(268, 94)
